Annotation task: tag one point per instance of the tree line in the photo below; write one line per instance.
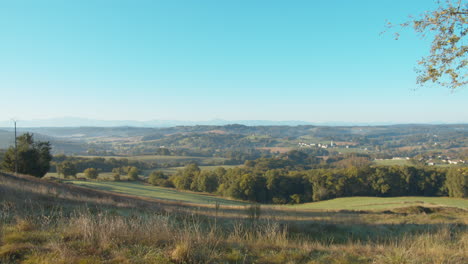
(101, 164)
(281, 186)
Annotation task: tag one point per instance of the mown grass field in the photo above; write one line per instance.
(383, 203)
(143, 190)
(165, 159)
(349, 203)
(172, 170)
(390, 162)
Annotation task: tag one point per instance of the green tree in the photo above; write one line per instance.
(67, 169)
(91, 173)
(447, 63)
(133, 173)
(116, 177)
(158, 178)
(183, 179)
(457, 182)
(205, 181)
(155, 176)
(33, 157)
(119, 171)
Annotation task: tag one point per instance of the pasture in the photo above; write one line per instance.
(348, 203)
(172, 170)
(169, 194)
(383, 203)
(391, 162)
(166, 159)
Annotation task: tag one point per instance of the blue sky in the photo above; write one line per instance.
(317, 61)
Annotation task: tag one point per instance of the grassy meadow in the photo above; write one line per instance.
(144, 190)
(172, 170)
(165, 159)
(348, 203)
(384, 203)
(43, 221)
(391, 162)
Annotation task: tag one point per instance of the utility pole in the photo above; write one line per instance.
(16, 151)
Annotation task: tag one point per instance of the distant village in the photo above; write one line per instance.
(441, 159)
(427, 160)
(331, 145)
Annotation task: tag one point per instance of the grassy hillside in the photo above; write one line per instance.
(50, 222)
(391, 162)
(139, 189)
(172, 170)
(349, 203)
(380, 203)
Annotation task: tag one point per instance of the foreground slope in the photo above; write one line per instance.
(48, 222)
(384, 203)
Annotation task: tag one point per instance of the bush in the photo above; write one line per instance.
(457, 182)
(155, 177)
(67, 169)
(116, 177)
(296, 198)
(133, 173)
(91, 173)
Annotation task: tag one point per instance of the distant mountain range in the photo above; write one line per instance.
(84, 122)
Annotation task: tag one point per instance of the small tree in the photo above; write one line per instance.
(155, 177)
(91, 173)
(133, 173)
(183, 178)
(116, 177)
(33, 157)
(67, 169)
(457, 182)
(118, 171)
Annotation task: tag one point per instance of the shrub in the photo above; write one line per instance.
(91, 173)
(116, 177)
(133, 173)
(457, 182)
(155, 178)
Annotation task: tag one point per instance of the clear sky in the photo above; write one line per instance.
(310, 60)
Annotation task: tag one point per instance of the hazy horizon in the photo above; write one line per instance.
(86, 122)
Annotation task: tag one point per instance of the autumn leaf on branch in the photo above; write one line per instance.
(447, 63)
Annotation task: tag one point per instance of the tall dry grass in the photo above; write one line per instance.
(159, 238)
(39, 226)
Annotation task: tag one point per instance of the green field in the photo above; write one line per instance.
(349, 203)
(172, 170)
(140, 189)
(391, 162)
(350, 150)
(162, 158)
(383, 203)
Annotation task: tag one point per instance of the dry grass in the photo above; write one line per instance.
(57, 223)
(169, 239)
(276, 149)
